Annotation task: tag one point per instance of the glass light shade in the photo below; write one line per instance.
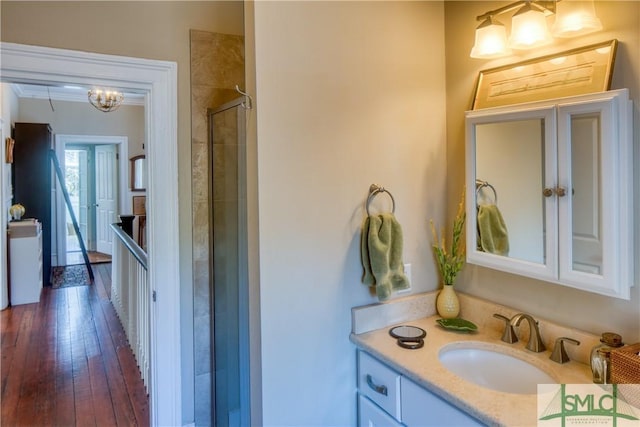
(574, 18)
(529, 29)
(491, 40)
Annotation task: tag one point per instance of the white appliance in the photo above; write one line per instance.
(25, 261)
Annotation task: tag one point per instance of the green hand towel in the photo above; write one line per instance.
(492, 231)
(381, 254)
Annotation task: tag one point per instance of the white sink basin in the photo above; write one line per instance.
(494, 369)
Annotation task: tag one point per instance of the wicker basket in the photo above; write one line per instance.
(625, 370)
(625, 365)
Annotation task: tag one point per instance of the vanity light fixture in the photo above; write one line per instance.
(529, 25)
(491, 40)
(105, 100)
(575, 18)
(529, 28)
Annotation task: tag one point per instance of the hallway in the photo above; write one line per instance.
(66, 361)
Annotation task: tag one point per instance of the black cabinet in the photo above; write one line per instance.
(32, 181)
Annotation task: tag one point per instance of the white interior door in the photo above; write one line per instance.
(106, 195)
(77, 184)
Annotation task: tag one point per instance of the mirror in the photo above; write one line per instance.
(510, 168)
(409, 337)
(508, 216)
(548, 191)
(586, 193)
(509, 176)
(138, 173)
(406, 332)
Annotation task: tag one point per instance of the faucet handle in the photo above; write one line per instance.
(535, 343)
(559, 354)
(509, 335)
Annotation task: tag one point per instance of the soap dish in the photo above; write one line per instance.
(458, 325)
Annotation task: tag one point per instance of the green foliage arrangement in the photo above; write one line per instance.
(450, 262)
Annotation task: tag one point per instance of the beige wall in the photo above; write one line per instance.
(593, 313)
(253, 235)
(348, 94)
(78, 118)
(146, 29)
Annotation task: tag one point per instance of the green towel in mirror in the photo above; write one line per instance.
(381, 255)
(492, 231)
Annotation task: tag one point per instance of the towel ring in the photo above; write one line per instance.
(374, 190)
(480, 184)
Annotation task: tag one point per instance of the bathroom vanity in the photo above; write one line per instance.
(399, 399)
(398, 386)
(560, 172)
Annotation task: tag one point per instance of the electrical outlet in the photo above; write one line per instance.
(407, 272)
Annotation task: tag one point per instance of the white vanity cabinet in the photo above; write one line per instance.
(560, 172)
(386, 398)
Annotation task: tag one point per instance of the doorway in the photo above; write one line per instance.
(90, 173)
(41, 65)
(97, 186)
(79, 182)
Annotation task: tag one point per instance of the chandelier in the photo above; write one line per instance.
(105, 101)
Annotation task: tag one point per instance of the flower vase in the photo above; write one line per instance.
(447, 303)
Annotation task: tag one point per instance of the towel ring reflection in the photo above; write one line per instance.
(480, 184)
(376, 189)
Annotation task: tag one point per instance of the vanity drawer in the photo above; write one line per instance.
(370, 415)
(379, 383)
(422, 408)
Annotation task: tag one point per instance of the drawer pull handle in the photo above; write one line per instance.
(382, 389)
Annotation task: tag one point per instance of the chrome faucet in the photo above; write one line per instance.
(535, 343)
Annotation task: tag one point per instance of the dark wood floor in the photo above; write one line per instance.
(66, 361)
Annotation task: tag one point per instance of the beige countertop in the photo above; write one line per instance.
(489, 406)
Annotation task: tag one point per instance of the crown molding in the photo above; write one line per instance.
(57, 93)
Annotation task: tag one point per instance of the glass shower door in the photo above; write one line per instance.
(230, 336)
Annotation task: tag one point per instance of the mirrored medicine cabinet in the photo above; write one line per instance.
(549, 191)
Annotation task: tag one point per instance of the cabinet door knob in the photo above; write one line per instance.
(382, 389)
(560, 192)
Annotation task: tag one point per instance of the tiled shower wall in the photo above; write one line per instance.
(217, 65)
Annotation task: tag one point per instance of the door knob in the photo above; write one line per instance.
(547, 192)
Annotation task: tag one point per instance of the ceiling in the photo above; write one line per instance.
(66, 93)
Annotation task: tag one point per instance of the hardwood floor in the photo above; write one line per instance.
(66, 361)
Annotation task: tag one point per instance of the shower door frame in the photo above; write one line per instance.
(243, 277)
